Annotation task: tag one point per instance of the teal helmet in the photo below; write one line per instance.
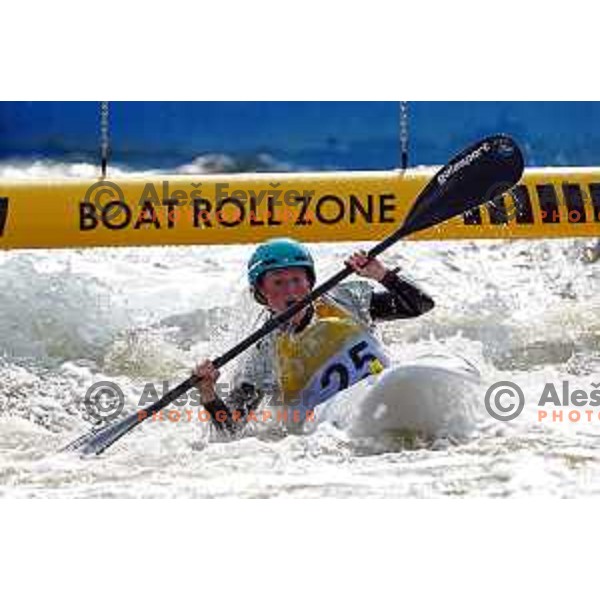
(279, 253)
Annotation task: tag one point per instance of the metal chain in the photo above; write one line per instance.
(104, 137)
(404, 134)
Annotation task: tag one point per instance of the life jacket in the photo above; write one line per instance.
(333, 352)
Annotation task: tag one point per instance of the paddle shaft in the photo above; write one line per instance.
(478, 174)
(272, 324)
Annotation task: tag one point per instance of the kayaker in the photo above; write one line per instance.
(326, 347)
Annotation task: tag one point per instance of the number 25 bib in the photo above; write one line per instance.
(332, 353)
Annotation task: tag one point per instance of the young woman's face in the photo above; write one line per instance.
(283, 287)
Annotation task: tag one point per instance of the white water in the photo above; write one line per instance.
(522, 311)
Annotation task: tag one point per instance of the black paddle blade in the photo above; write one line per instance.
(98, 440)
(479, 174)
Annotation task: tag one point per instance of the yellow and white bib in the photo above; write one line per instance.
(332, 353)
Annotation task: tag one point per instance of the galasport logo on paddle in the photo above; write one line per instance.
(462, 163)
(573, 197)
(159, 207)
(3, 214)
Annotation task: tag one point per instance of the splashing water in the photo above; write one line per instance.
(522, 311)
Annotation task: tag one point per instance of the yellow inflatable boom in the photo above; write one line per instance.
(313, 207)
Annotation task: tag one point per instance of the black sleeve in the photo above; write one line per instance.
(402, 300)
(221, 416)
(230, 417)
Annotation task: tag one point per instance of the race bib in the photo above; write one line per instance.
(359, 360)
(333, 353)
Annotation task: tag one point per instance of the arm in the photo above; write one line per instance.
(230, 417)
(401, 300)
(227, 417)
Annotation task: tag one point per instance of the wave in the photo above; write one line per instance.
(45, 168)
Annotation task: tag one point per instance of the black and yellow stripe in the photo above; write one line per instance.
(542, 203)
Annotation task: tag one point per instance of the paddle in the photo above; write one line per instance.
(480, 173)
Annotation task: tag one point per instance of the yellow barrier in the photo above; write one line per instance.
(313, 207)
